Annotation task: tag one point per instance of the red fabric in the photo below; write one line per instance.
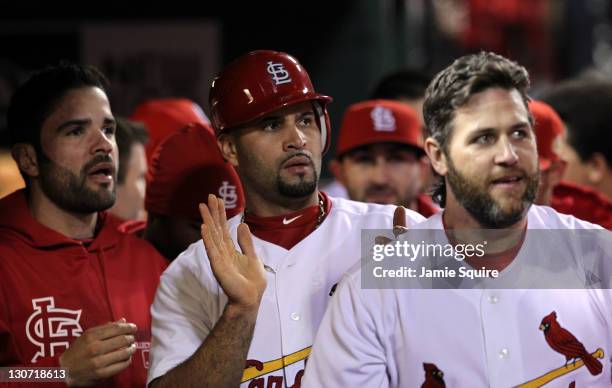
(426, 207)
(44, 274)
(378, 121)
(135, 227)
(503, 26)
(582, 202)
(164, 116)
(186, 167)
(273, 230)
(492, 22)
(548, 130)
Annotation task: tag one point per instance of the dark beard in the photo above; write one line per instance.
(298, 190)
(481, 205)
(301, 189)
(69, 191)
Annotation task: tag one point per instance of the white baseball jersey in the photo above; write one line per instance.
(462, 337)
(189, 300)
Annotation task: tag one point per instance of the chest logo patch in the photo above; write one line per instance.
(51, 329)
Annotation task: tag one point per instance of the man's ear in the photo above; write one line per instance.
(437, 158)
(227, 145)
(335, 167)
(596, 168)
(26, 159)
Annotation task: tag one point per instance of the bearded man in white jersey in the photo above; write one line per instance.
(224, 318)
(482, 147)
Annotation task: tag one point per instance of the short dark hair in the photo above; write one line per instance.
(453, 87)
(585, 106)
(36, 99)
(128, 133)
(408, 83)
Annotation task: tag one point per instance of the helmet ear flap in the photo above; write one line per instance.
(322, 118)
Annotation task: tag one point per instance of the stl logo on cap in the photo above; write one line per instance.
(227, 192)
(383, 119)
(278, 72)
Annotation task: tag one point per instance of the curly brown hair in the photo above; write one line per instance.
(453, 87)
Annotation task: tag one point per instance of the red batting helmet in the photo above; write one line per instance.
(260, 83)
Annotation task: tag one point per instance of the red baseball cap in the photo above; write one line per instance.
(379, 121)
(164, 116)
(185, 168)
(548, 130)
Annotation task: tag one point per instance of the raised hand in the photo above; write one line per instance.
(99, 353)
(241, 275)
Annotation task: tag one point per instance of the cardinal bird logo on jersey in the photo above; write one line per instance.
(434, 377)
(564, 342)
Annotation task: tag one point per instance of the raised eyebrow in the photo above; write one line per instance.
(69, 123)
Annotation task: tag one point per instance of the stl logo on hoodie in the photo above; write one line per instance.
(51, 329)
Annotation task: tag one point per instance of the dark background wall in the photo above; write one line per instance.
(175, 48)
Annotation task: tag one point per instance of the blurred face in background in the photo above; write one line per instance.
(383, 173)
(131, 192)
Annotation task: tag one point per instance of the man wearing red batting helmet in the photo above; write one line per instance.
(224, 318)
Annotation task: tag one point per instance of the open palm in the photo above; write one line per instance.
(240, 274)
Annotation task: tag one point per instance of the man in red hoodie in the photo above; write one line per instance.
(75, 292)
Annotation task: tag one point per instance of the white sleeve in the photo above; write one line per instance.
(186, 307)
(347, 351)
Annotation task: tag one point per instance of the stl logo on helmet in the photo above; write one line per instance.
(227, 192)
(382, 119)
(50, 328)
(278, 72)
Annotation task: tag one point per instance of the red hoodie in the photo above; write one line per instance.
(53, 288)
(582, 202)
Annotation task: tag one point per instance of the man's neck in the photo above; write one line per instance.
(267, 207)
(73, 225)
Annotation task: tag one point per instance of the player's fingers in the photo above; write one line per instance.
(245, 240)
(227, 239)
(221, 209)
(399, 221)
(399, 217)
(207, 217)
(110, 345)
(205, 214)
(113, 363)
(213, 205)
(111, 329)
(210, 244)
